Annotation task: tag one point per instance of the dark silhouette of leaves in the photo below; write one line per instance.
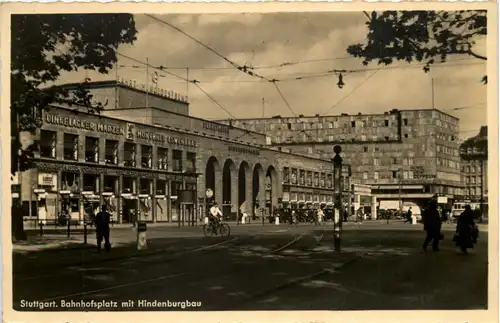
(43, 46)
(422, 36)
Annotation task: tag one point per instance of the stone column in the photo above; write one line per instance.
(374, 207)
(234, 192)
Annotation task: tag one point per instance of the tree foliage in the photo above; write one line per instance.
(422, 36)
(44, 45)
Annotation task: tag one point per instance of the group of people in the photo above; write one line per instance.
(466, 233)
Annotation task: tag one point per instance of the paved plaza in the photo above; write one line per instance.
(268, 267)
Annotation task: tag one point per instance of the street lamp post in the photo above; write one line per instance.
(337, 184)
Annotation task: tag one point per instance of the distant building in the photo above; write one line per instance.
(474, 155)
(412, 153)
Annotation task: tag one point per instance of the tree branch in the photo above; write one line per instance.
(471, 53)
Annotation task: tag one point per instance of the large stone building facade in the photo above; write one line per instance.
(474, 154)
(155, 164)
(412, 154)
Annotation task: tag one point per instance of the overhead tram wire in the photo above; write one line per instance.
(349, 94)
(245, 69)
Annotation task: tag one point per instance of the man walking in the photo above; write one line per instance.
(102, 220)
(408, 216)
(432, 226)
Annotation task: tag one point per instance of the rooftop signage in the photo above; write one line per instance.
(153, 89)
(130, 131)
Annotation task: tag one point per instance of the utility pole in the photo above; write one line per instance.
(432, 85)
(187, 81)
(400, 191)
(350, 192)
(337, 184)
(116, 85)
(481, 189)
(147, 82)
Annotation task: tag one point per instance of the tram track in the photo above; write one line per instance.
(183, 271)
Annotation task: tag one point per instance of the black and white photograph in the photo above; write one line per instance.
(251, 161)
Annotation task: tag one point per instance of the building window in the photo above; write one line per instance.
(91, 150)
(406, 135)
(146, 186)
(375, 175)
(69, 182)
(48, 140)
(365, 149)
(353, 124)
(386, 138)
(286, 175)
(191, 162)
(365, 175)
(410, 174)
(70, 147)
(91, 183)
(394, 160)
(302, 177)
(177, 160)
(394, 174)
(386, 123)
(110, 184)
(161, 187)
(405, 122)
(176, 187)
(309, 178)
(111, 154)
(376, 149)
(405, 174)
(329, 181)
(129, 157)
(146, 156)
(162, 156)
(473, 179)
(129, 185)
(363, 137)
(294, 176)
(376, 162)
(289, 126)
(316, 179)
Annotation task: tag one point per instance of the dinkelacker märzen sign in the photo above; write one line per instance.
(115, 130)
(83, 124)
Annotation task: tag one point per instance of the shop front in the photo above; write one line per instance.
(78, 191)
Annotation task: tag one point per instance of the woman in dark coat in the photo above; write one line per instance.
(465, 234)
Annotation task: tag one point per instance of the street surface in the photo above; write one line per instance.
(285, 267)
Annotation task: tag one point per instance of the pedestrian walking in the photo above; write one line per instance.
(102, 220)
(432, 226)
(320, 216)
(408, 215)
(466, 232)
(359, 218)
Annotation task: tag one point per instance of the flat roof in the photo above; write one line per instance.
(389, 112)
(115, 83)
(191, 117)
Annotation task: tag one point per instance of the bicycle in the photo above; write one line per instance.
(217, 228)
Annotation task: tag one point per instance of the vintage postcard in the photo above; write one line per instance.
(271, 162)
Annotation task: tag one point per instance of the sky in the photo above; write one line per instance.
(313, 43)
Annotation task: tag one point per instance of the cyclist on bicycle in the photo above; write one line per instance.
(215, 215)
